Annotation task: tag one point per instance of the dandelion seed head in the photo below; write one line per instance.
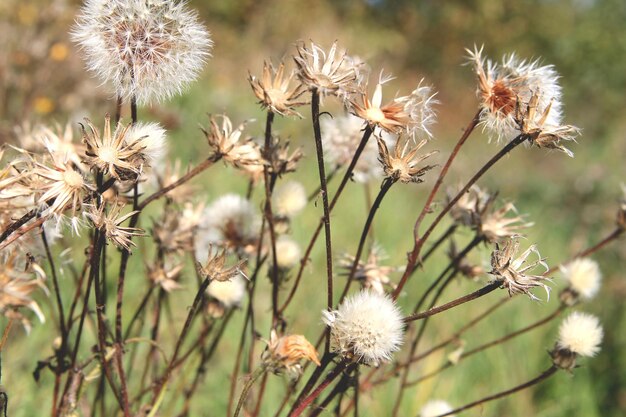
(367, 327)
(288, 253)
(147, 49)
(584, 277)
(228, 293)
(289, 199)
(581, 334)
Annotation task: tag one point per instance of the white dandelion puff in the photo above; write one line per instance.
(581, 334)
(584, 277)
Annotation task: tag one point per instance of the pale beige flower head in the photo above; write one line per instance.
(403, 164)
(175, 230)
(225, 295)
(288, 253)
(370, 273)
(366, 327)
(110, 223)
(330, 73)
(497, 225)
(580, 334)
(513, 273)
(166, 277)
(288, 199)
(285, 353)
(584, 277)
(276, 91)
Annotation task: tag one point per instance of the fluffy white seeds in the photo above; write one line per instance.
(151, 137)
(584, 276)
(434, 408)
(289, 199)
(148, 49)
(580, 333)
(287, 253)
(367, 326)
(228, 293)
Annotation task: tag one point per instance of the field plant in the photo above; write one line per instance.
(84, 217)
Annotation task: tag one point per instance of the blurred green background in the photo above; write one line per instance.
(572, 201)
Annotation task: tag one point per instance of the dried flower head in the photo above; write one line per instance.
(583, 276)
(496, 225)
(175, 231)
(580, 334)
(275, 92)
(215, 267)
(165, 276)
(331, 73)
(18, 279)
(407, 114)
(435, 408)
(60, 142)
(288, 253)
(402, 165)
(288, 199)
(280, 159)
(225, 295)
(512, 273)
(166, 175)
(367, 327)
(466, 211)
(285, 353)
(231, 222)
(341, 136)
(509, 85)
(110, 222)
(147, 49)
(370, 273)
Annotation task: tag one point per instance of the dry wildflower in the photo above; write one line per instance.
(230, 144)
(289, 199)
(110, 222)
(276, 92)
(367, 328)
(215, 267)
(168, 174)
(542, 131)
(288, 253)
(341, 136)
(18, 279)
(509, 85)
(406, 114)
(435, 408)
(512, 273)
(332, 73)
(123, 152)
(466, 211)
(165, 277)
(231, 222)
(225, 295)
(583, 276)
(370, 273)
(285, 353)
(402, 164)
(147, 49)
(60, 142)
(580, 334)
(175, 231)
(280, 160)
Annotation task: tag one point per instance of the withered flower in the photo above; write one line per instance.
(402, 164)
(284, 353)
(280, 159)
(370, 273)
(275, 92)
(110, 223)
(512, 273)
(175, 231)
(214, 268)
(166, 277)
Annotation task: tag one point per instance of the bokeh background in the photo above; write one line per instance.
(571, 201)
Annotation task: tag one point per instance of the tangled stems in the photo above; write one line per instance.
(419, 242)
(544, 375)
(300, 406)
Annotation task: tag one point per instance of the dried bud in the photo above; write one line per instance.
(284, 353)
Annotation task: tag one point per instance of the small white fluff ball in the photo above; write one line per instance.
(287, 252)
(229, 293)
(367, 325)
(580, 333)
(584, 277)
(289, 199)
(434, 408)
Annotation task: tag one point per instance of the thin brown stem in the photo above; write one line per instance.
(299, 407)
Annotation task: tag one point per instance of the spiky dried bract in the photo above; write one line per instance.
(367, 327)
(370, 273)
(276, 92)
(466, 211)
(332, 73)
(231, 222)
(60, 142)
(402, 164)
(215, 267)
(505, 87)
(123, 152)
(18, 279)
(166, 277)
(109, 221)
(147, 49)
(285, 353)
(176, 229)
(341, 136)
(407, 114)
(280, 159)
(288, 253)
(225, 295)
(435, 408)
(497, 225)
(579, 333)
(288, 199)
(230, 144)
(584, 277)
(512, 272)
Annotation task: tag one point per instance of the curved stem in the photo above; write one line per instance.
(244, 394)
(301, 406)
